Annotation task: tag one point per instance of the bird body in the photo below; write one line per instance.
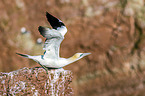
(54, 37)
(55, 62)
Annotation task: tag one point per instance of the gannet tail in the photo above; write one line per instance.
(23, 55)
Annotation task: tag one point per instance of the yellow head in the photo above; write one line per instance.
(78, 56)
(74, 58)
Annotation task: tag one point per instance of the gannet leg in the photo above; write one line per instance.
(45, 68)
(53, 68)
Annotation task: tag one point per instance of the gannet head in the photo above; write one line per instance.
(72, 59)
(78, 56)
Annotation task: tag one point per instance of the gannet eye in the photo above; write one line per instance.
(81, 55)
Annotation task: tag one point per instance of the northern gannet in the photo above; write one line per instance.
(54, 37)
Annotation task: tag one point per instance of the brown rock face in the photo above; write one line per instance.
(36, 82)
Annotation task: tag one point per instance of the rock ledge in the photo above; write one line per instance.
(35, 81)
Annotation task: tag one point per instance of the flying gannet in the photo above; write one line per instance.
(54, 37)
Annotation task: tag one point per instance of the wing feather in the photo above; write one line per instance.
(54, 22)
(49, 33)
(53, 36)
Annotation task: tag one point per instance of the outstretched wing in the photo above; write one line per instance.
(52, 42)
(53, 38)
(56, 24)
(49, 33)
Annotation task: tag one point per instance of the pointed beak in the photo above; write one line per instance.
(85, 54)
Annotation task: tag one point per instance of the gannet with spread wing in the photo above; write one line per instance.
(54, 37)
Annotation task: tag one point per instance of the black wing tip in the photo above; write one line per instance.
(41, 29)
(50, 17)
(54, 22)
(21, 54)
(47, 13)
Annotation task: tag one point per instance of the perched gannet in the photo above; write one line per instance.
(54, 37)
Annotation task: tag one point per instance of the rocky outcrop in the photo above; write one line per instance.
(35, 81)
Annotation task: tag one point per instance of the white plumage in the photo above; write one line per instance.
(54, 37)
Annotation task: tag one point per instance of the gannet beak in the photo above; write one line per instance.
(85, 54)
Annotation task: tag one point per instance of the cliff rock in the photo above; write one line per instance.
(35, 81)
